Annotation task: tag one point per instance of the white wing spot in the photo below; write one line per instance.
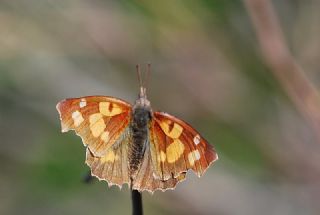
(77, 118)
(196, 139)
(193, 157)
(83, 103)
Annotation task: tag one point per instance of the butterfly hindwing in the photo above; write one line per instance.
(113, 165)
(176, 147)
(98, 120)
(146, 180)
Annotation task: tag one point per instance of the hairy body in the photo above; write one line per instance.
(139, 126)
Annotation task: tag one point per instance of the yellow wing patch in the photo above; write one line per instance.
(105, 136)
(109, 157)
(175, 150)
(162, 156)
(97, 124)
(174, 132)
(109, 109)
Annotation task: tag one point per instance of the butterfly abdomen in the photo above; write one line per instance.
(139, 125)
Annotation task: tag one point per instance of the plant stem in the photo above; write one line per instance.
(136, 202)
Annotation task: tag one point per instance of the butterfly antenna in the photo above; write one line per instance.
(142, 91)
(147, 76)
(139, 74)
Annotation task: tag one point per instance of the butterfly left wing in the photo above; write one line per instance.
(99, 120)
(113, 166)
(176, 147)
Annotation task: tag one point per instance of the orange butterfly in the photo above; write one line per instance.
(134, 145)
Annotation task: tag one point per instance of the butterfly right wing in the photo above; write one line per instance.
(176, 147)
(145, 179)
(98, 120)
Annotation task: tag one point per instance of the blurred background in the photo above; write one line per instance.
(207, 68)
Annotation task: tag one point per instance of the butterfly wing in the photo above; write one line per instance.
(99, 120)
(113, 166)
(145, 180)
(176, 147)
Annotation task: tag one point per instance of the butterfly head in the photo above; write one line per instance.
(142, 100)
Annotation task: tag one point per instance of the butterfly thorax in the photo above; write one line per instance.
(140, 122)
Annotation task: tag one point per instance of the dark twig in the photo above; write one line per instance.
(136, 202)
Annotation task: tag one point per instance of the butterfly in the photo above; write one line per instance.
(134, 145)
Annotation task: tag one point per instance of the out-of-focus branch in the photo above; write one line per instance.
(278, 57)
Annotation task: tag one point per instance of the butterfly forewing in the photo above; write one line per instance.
(176, 147)
(98, 120)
